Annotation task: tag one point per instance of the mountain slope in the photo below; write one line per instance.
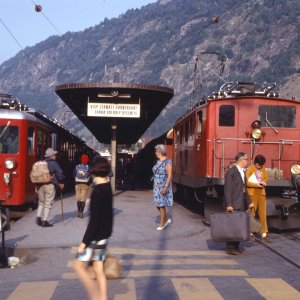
(157, 44)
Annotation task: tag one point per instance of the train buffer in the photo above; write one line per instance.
(179, 262)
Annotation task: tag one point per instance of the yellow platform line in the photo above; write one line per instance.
(195, 289)
(274, 288)
(180, 261)
(183, 273)
(120, 251)
(173, 273)
(35, 290)
(171, 262)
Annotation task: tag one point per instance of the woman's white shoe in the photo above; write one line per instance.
(169, 221)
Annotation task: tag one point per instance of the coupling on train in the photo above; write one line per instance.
(240, 117)
(25, 134)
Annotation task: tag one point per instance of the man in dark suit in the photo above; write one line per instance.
(235, 194)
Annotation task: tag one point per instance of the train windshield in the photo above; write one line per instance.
(9, 139)
(277, 116)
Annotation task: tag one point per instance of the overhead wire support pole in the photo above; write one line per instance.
(113, 154)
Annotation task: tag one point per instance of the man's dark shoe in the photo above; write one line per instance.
(232, 251)
(38, 221)
(240, 250)
(266, 239)
(46, 224)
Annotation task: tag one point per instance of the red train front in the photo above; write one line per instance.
(241, 117)
(25, 134)
(18, 151)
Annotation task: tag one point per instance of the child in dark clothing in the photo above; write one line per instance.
(92, 249)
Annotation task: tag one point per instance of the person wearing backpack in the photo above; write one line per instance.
(82, 182)
(46, 191)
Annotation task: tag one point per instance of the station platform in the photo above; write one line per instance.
(180, 262)
(135, 222)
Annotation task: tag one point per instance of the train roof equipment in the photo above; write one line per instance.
(13, 105)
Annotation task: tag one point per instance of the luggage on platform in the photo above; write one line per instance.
(230, 226)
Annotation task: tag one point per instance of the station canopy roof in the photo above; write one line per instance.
(115, 104)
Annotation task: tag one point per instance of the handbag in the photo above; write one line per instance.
(112, 267)
(255, 225)
(230, 226)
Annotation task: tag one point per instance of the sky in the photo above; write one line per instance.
(29, 27)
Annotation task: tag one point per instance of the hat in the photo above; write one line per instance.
(84, 159)
(161, 148)
(50, 152)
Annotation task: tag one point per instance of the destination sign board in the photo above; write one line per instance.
(113, 110)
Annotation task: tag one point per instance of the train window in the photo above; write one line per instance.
(199, 126)
(9, 139)
(226, 115)
(277, 116)
(39, 146)
(181, 133)
(186, 132)
(46, 140)
(186, 157)
(30, 139)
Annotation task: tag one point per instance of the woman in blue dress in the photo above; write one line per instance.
(162, 185)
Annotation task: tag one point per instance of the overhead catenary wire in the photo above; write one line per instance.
(52, 25)
(222, 65)
(18, 43)
(56, 29)
(49, 21)
(246, 17)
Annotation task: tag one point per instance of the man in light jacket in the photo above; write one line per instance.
(46, 191)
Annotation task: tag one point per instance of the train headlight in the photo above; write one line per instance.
(256, 133)
(295, 169)
(10, 164)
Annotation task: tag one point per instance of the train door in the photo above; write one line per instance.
(226, 137)
(201, 147)
(178, 166)
(39, 144)
(189, 152)
(30, 160)
(42, 142)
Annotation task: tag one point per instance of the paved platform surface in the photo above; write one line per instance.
(135, 221)
(178, 263)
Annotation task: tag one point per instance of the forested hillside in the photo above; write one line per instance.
(157, 44)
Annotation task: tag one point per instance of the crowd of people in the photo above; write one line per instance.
(244, 189)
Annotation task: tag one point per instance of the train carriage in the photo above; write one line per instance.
(241, 117)
(25, 134)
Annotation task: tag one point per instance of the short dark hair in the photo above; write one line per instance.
(239, 156)
(259, 159)
(99, 167)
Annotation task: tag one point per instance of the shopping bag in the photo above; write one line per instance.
(112, 267)
(230, 226)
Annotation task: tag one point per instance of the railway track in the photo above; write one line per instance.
(286, 245)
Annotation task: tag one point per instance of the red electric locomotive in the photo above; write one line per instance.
(241, 117)
(25, 134)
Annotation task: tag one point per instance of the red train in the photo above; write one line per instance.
(25, 134)
(241, 117)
